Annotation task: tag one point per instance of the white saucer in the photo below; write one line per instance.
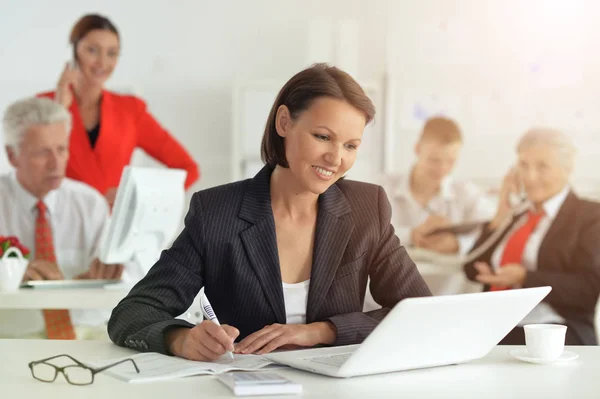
(523, 355)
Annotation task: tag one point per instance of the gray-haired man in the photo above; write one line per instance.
(59, 219)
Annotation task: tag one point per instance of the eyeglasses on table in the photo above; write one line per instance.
(75, 374)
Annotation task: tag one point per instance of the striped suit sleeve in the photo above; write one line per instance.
(394, 276)
(142, 318)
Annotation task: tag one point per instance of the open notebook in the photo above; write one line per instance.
(156, 367)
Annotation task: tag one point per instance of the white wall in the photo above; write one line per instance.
(498, 67)
(183, 56)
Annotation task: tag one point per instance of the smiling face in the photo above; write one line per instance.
(542, 171)
(97, 55)
(435, 160)
(321, 142)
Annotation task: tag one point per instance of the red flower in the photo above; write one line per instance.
(23, 249)
(12, 241)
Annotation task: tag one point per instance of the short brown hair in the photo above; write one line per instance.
(89, 23)
(320, 80)
(442, 130)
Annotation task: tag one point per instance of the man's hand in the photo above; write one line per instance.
(287, 335)
(433, 222)
(506, 276)
(445, 243)
(101, 271)
(42, 270)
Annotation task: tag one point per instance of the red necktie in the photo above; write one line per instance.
(513, 251)
(58, 321)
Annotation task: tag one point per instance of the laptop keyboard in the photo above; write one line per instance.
(330, 360)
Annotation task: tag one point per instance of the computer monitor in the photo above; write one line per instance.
(146, 216)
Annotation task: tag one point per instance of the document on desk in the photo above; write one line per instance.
(157, 367)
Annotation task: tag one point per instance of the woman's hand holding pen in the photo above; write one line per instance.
(284, 336)
(207, 341)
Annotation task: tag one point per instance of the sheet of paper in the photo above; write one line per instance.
(240, 362)
(155, 366)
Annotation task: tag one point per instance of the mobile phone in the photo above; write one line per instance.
(70, 56)
(73, 64)
(515, 199)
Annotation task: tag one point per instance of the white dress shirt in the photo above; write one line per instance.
(77, 214)
(459, 202)
(295, 297)
(543, 313)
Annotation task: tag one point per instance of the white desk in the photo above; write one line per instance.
(72, 298)
(69, 298)
(496, 376)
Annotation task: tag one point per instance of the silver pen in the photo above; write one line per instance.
(209, 313)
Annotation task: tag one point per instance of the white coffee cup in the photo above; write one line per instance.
(545, 341)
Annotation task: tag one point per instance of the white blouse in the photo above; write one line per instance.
(295, 297)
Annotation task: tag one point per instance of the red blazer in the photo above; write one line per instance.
(125, 124)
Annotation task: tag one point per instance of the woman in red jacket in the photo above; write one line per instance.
(107, 127)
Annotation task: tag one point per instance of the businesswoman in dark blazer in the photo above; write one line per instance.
(552, 241)
(285, 256)
(106, 126)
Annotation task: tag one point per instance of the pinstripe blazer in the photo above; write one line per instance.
(229, 246)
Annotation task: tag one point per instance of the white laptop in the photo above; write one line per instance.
(424, 332)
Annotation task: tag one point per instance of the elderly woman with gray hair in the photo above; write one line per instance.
(550, 240)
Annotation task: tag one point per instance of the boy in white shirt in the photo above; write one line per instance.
(428, 197)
